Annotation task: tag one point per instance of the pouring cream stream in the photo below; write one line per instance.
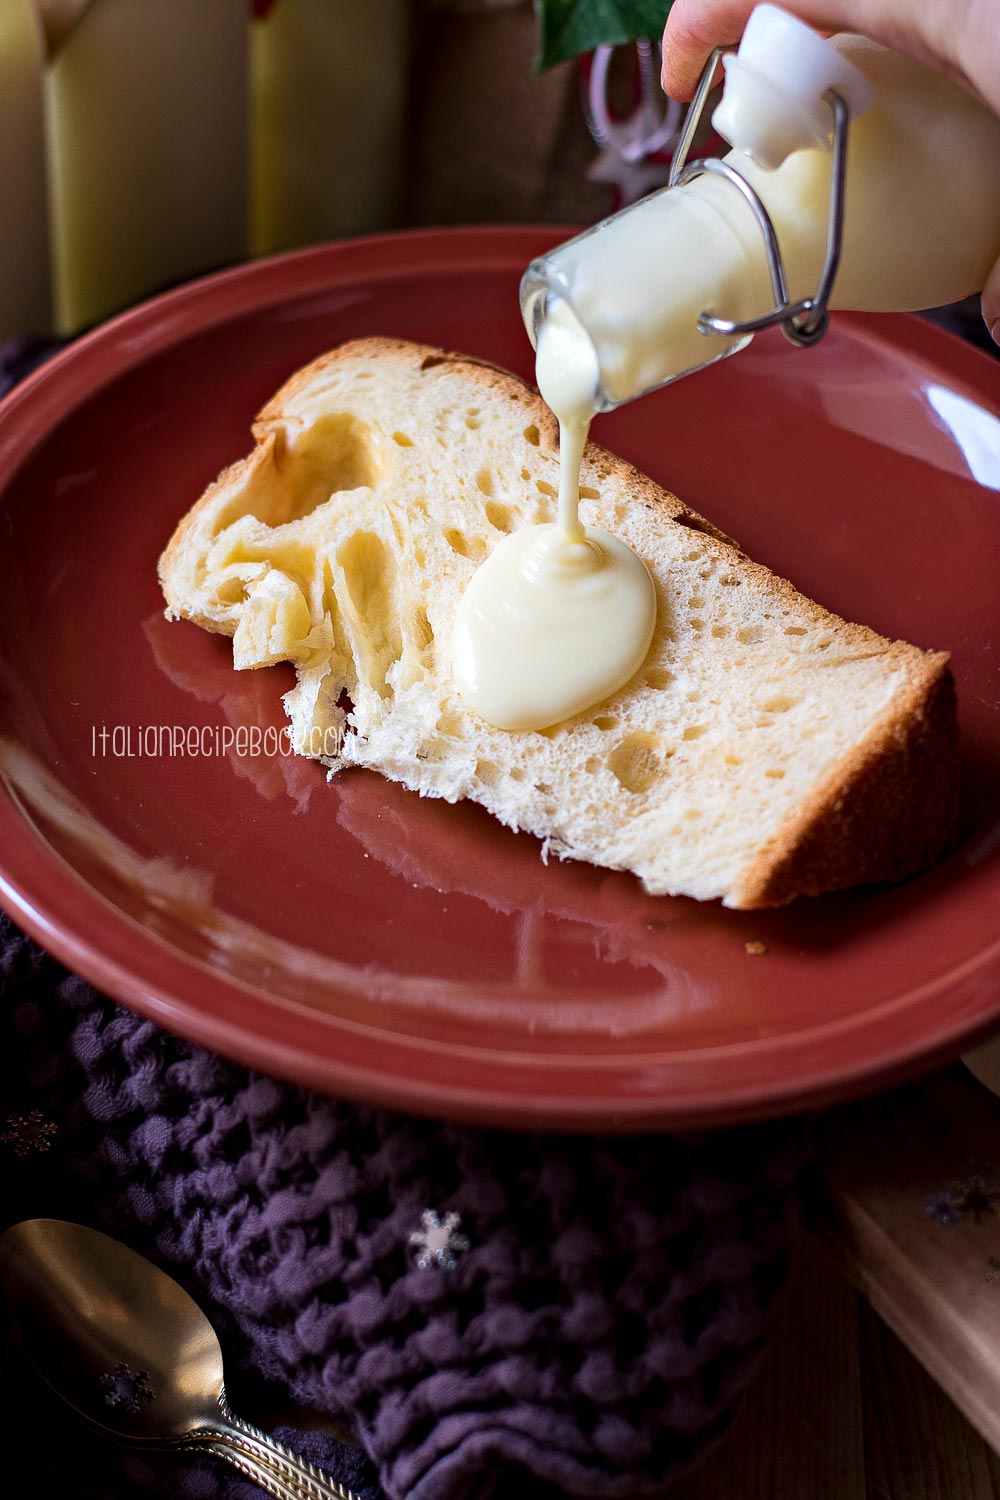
(559, 616)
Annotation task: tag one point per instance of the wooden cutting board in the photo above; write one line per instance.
(909, 1201)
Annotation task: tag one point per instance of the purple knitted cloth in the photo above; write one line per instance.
(596, 1331)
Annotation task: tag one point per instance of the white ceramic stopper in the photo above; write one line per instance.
(773, 101)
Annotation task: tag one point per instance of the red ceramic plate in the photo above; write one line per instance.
(364, 941)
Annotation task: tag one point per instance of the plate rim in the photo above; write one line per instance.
(132, 964)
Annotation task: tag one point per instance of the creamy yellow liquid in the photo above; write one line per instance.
(559, 616)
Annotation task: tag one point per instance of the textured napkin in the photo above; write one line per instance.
(591, 1316)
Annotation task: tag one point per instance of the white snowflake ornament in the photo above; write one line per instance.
(437, 1241)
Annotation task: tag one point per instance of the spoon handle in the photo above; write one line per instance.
(261, 1474)
(303, 1478)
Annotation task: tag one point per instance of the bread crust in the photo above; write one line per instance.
(888, 809)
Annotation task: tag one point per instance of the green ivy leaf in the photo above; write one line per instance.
(569, 27)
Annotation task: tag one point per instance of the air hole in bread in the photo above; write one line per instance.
(734, 760)
(696, 603)
(693, 523)
(472, 418)
(546, 489)
(336, 452)
(750, 635)
(729, 582)
(449, 724)
(432, 361)
(775, 775)
(231, 591)
(824, 645)
(484, 482)
(693, 556)
(593, 765)
(694, 732)
(586, 493)
(402, 440)
(697, 624)
(516, 774)
(501, 517)
(372, 589)
(420, 628)
(532, 435)
(466, 546)
(694, 697)
(779, 705)
(720, 631)
(658, 679)
(525, 473)
(795, 630)
(606, 721)
(635, 762)
(487, 772)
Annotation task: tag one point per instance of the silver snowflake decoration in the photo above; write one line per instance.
(437, 1240)
(942, 1208)
(976, 1195)
(126, 1388)
(27, 1134)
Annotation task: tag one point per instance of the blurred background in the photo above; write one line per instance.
(146, 141)
(143, 142)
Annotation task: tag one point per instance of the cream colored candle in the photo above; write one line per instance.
(147, 104)
(328, 96)
(25, 300)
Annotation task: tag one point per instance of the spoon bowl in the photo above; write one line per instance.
(133, 1354)
(111, 1333)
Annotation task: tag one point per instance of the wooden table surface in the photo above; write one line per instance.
(905, 1215)
(842, 1411)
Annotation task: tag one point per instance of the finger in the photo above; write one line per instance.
(694, 27)
(991, 303)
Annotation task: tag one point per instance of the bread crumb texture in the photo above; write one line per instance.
(766, 749)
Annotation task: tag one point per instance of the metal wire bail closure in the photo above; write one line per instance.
(803, 322)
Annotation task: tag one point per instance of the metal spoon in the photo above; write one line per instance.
(130, 1351)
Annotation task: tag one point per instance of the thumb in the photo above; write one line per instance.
(991, 303)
